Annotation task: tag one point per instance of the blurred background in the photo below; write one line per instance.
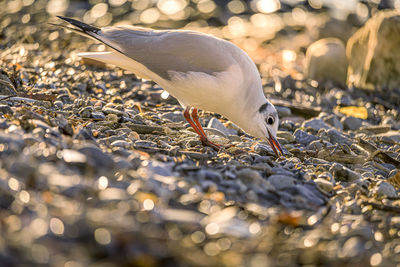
(271, 31)
(58, 207)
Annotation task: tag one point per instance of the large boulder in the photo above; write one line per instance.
(326, 61)
(373, 53)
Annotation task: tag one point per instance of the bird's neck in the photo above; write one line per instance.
(245, 108)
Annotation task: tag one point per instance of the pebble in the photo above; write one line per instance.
(324, 185)
(113, 166)
(176, 116)
(121, 143)
(351, 123)
(342, 173)
(114, 111)
(335, 137)
(283, 111)
(73, 156)
(86, 112)
(96, 157)
(333, 120)
(304, 138)
(216, 124)
(384, 189)
(285, 135)
(281, 181)
(98, 115)
(315, 124)
(248, 176)
(5, 109)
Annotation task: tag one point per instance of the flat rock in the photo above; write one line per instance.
(175, 116)
(304, 138)
(393, 136)
(336, 137)
(315, 124)
(121, 143)
(216, 124)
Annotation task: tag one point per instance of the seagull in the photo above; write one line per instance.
(201, 71)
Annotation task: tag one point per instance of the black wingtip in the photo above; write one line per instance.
(83, 26)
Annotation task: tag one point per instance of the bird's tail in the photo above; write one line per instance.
(88, 31)
(82, 27)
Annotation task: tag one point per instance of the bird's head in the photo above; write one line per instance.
(263, 124)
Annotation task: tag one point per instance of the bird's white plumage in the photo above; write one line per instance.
(199, 70)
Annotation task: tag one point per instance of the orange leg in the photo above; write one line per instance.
(195, 117)
(194, 122)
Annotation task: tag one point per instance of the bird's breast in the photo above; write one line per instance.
(211, 92)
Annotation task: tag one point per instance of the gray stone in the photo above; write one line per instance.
(334, 121)
(175, 116)
(384, 189)
(263, 149)
(249, 176)
(326, 61)
(210, 175)
(96, 157)
(351, 123)
(283, 111)
(374, 61)
(121, 143)
(86, 112)
(315, 124)
(392, 136)
(108, 110)
(5, 109)
(98, 115)
(342, 173)
(304, 138)
(318, 145)
(335, 137)
(324, 185)
(59, 104)
(285, 135)
(216, 124)
(281, 181)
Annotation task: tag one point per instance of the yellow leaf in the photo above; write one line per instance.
(358, 112)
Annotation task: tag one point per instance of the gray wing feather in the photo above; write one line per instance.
(166, 51)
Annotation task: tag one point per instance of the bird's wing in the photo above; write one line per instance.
(165, 52)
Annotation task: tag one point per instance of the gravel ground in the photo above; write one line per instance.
(99, 168)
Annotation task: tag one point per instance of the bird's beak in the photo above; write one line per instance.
(274, 144)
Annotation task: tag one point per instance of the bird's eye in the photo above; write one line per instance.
(270, 120)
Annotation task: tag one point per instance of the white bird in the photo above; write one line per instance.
(199, 70)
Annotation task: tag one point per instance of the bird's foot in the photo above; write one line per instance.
(214, 146)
